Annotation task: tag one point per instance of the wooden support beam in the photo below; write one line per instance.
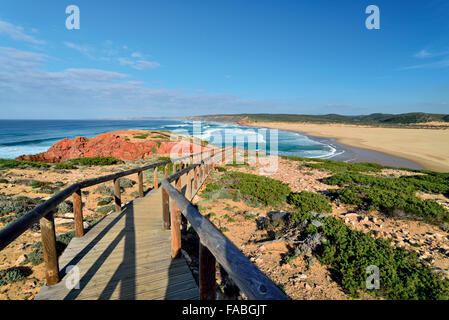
(78, 213)
(195, 178)
(189, 191)
(156, 183)
(207, 280)
(140, 181)
(165, 209)
(117, 196)
(48, 234)
(176, 225)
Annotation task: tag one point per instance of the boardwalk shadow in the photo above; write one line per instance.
(125, 274)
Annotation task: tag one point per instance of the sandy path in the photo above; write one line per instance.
(427, 147)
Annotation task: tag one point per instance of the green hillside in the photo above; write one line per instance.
(373, 119)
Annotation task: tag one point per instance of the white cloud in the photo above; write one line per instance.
(17, 33)
(99, 93)
(137, 55)
(139, 64)
(424, 53)
(83, 49)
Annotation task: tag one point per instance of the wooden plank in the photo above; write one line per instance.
(145, 270)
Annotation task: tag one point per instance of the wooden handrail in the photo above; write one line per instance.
(214, 245)
(13, 230)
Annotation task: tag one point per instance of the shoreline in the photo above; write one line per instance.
(419, 148)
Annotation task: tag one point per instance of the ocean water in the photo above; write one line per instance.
(19, 137)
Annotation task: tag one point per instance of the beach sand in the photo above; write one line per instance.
(427, 147)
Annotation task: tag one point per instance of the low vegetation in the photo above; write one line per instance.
(253, 188)
(12, 208)
(13, 274)
(392, 195)
(94, 161)
(350, 252)
(36, 256)
(14, 164)
(372, 119)
(306, 202)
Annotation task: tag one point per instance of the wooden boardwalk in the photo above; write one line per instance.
(125, 256)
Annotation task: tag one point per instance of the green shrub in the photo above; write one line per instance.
(126, 183)
(65, 207)
(18, 205)
(13, 274)
(3, 181)
(221, 169)
(141, 136)
(391, 194)
(307, 202)
(104, 190)
(106, 209)
(261, 189)
(402, 274)
(104, 201)
(65, 166)
(162, 168)
(95, 161)
(14, 164)
(348, 253)
(36, 256)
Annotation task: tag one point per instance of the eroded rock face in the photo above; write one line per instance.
(118, 144)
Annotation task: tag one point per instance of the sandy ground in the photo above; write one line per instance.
(301, 279)
(427, 147)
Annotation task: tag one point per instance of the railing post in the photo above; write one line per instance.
(176, 225)
(140, 179)
(174, 167)
(234, 155)
(48, 234)
(189, 191)
(78, 214)
(207, 280)
(117, 195)
(156, 183)
(166, 171)
(195, 178)
(165, 209)
(223, 156)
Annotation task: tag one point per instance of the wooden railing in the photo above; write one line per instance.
(44, 213)
(214, 246)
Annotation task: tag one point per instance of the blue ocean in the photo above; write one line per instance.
(20, 137)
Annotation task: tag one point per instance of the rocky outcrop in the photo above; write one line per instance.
(118, 144)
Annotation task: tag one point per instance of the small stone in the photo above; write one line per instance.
(317, 223)
(69, 215)
(259, 260)
(262, 248)
(21, 259)
(86, 225)
(302, 276)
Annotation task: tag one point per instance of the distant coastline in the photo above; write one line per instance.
(426, 148)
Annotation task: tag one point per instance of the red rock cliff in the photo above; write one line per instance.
(118, 144)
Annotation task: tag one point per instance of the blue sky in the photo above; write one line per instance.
(178, 58)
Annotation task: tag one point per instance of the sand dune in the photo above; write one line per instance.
(427, 147)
